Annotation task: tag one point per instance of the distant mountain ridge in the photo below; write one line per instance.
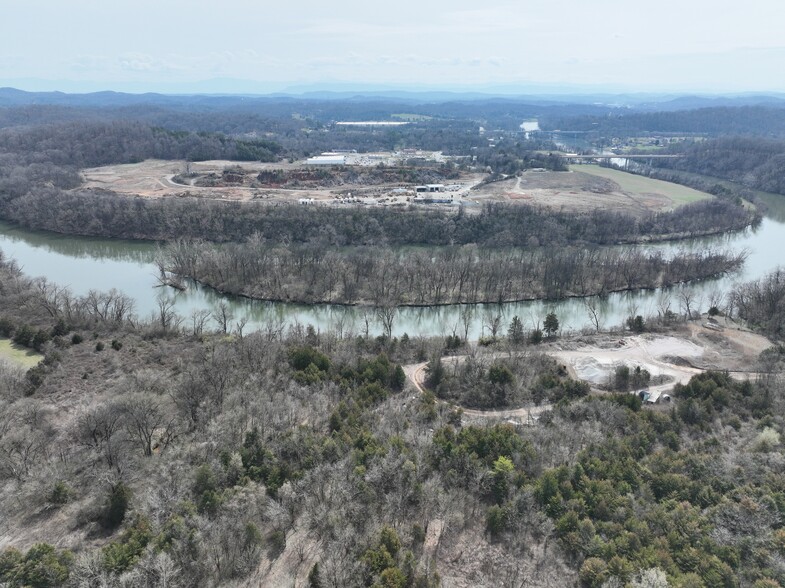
(10, 97)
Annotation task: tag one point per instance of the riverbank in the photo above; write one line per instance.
(84, 264)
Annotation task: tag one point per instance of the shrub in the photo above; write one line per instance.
(24, 336)
(6, 327)
(116, 345)
(117, 505)
(301, 357)
(121, 555)
(496, 520)
(500, 374)
(99, 346)
(389, 538)
(76, 339)
(392, 578)
(60, 493)
(41, 567)
(60, 329)
(39, 339)
(767, 440)
(535, 337)
(593, 572)
(636, 324)
(453, 342)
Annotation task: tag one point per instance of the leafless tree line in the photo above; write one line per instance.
(388, 277)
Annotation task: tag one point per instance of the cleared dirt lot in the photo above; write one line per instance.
(583, 189)
(587, 188)
(154, 179)
(676, 357)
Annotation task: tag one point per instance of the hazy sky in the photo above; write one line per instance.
(159, 45)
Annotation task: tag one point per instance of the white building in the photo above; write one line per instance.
(332, 159)
(429, 188)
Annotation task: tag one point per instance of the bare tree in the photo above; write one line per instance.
(339, 323)
(366, 318)
(50, 296)
(386, 315)
(199, 318)
(98, 428)
(716, 299)
(467, 316)
(492, 321)
(147, 421)
(223, 315)
(686, 301)
(592, 309)
(664, 306)
(240, 325)
(165, 314)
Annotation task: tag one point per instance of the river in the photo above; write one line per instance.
(101, 264)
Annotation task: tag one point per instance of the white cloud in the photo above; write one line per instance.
(142, 62)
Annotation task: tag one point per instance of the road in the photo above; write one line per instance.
(416, 375)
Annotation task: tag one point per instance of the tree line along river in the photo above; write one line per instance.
(85, 264)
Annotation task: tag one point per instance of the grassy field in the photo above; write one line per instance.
(634, 184)
(411, 117)
(17, 355)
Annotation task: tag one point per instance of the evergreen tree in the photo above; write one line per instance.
(515, 332)
(551, 324)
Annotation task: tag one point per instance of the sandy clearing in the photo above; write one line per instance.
(596, 365)
(668, 346)
(678, 358)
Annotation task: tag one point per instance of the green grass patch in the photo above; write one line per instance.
(642, 149)
(411, 117)
(634, 184)
(18, 355)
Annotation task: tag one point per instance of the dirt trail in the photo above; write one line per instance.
(416, 375)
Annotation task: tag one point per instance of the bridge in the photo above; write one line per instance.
(575, 156)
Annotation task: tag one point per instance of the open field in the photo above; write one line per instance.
(17, 355)
(586, 188)
(635, 184)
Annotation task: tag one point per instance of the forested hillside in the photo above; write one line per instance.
(143, 452)
(763, 121)
(756, 163)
